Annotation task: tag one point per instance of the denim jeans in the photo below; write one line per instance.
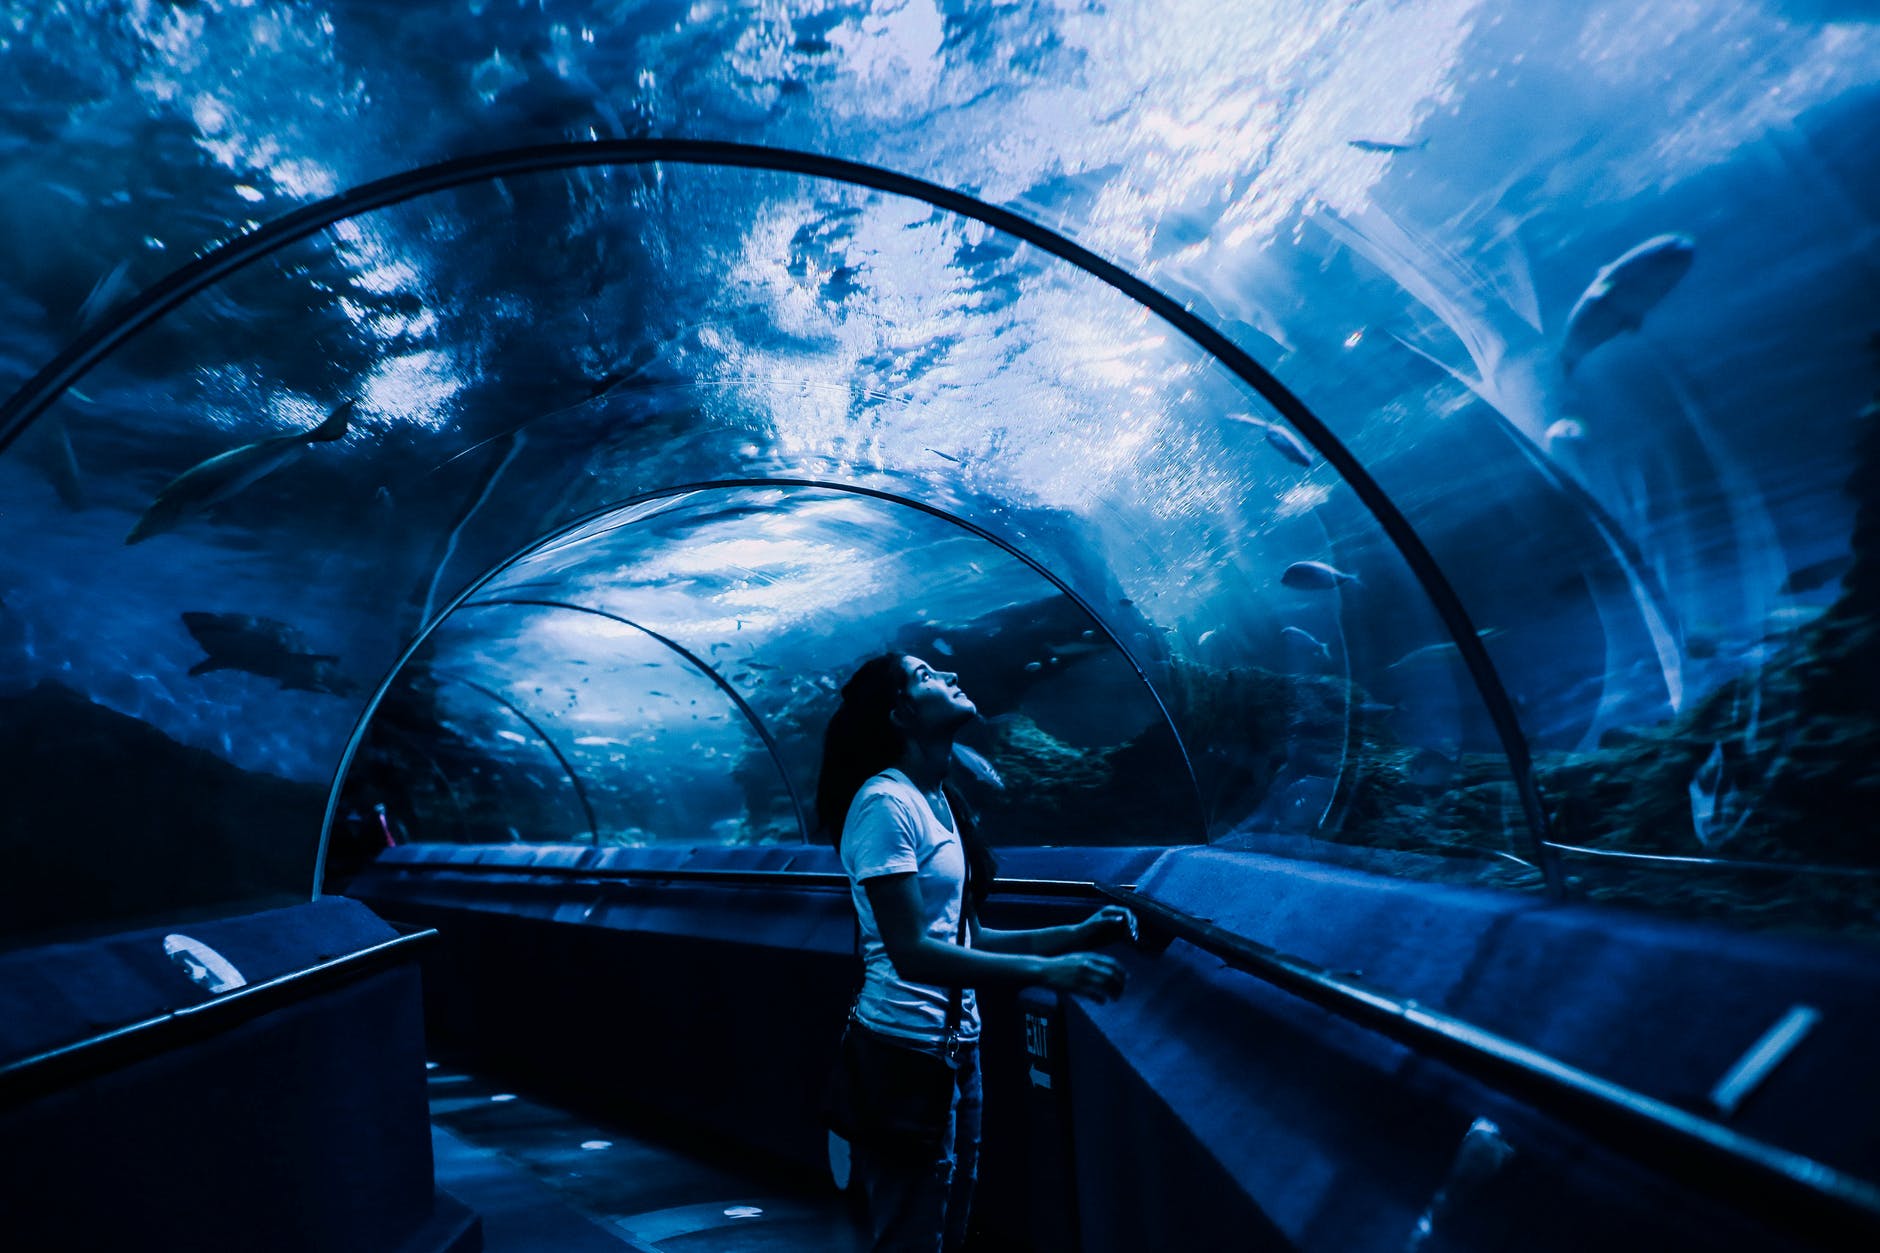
(923, 1206)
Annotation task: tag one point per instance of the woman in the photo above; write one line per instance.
(917, 875)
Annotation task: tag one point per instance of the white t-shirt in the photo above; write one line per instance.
(891, 830)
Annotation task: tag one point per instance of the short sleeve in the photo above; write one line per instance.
(879, 837)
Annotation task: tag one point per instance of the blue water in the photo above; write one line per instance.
(1393, 207)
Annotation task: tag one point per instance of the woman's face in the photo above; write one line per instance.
(934, 699)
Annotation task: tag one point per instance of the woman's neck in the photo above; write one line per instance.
(925, 762)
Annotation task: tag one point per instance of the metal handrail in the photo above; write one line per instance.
(35, 1075)
(1793, 1192)
(734, 878)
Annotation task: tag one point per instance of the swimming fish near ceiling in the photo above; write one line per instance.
(1284, 442)
(1385, 145)
(1623, 292)
(222, 476)
(1315, 576)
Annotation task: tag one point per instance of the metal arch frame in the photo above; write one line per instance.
(723, 684)
(91, 346)
(574, 777)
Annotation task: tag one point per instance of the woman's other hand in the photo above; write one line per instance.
(1110, 925)
(1093, 975)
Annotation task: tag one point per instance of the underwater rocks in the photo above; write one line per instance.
(109, 821)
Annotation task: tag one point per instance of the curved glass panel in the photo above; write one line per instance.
(1420, 217)
(781, 592)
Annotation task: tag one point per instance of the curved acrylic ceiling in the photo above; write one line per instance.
(1398, 209)
(686, 651)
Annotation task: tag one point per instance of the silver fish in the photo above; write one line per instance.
(1385, 145)
(1284, 442)
(1444, 652)
(974, 763)
(1623, 292)
(1315, 576)
(104, 293)
(226, 474)
(1305, 637)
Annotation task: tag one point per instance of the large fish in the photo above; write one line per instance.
(1315, 576)
(265, 647)
(1623, 292)
(226, 474)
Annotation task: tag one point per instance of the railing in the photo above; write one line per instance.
(1792, 1192)
(29, 1077)
(725, 878)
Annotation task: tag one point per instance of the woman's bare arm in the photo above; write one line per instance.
(1109, 925)
(919, 958)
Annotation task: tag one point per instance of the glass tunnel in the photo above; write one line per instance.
(1363, 434)
(1399, 479)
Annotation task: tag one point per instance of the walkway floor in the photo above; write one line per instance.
(546, 1181)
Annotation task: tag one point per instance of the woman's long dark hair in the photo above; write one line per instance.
(862, 741)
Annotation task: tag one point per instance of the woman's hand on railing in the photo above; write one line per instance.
(1110, 925)
(1094, 975)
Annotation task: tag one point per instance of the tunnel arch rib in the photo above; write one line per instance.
(541, 733)
(90, 347)
(695, 661)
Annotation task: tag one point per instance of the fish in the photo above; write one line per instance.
(1788, 620)
(1429, 768)
(1085, 645)
(1284, 442)
(1302, 636)
(1564, 431)
(1716, 814)
(47, 446)
(1818, 575)
(942, 647)
(1623, 292)
(104, 293)
(1033, 667)
(974, 763)
(1315, 576)
(1445, 652)
(1206, 636)
(1385, 145)
(226, 474)
(265, 647)
(943, 456)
